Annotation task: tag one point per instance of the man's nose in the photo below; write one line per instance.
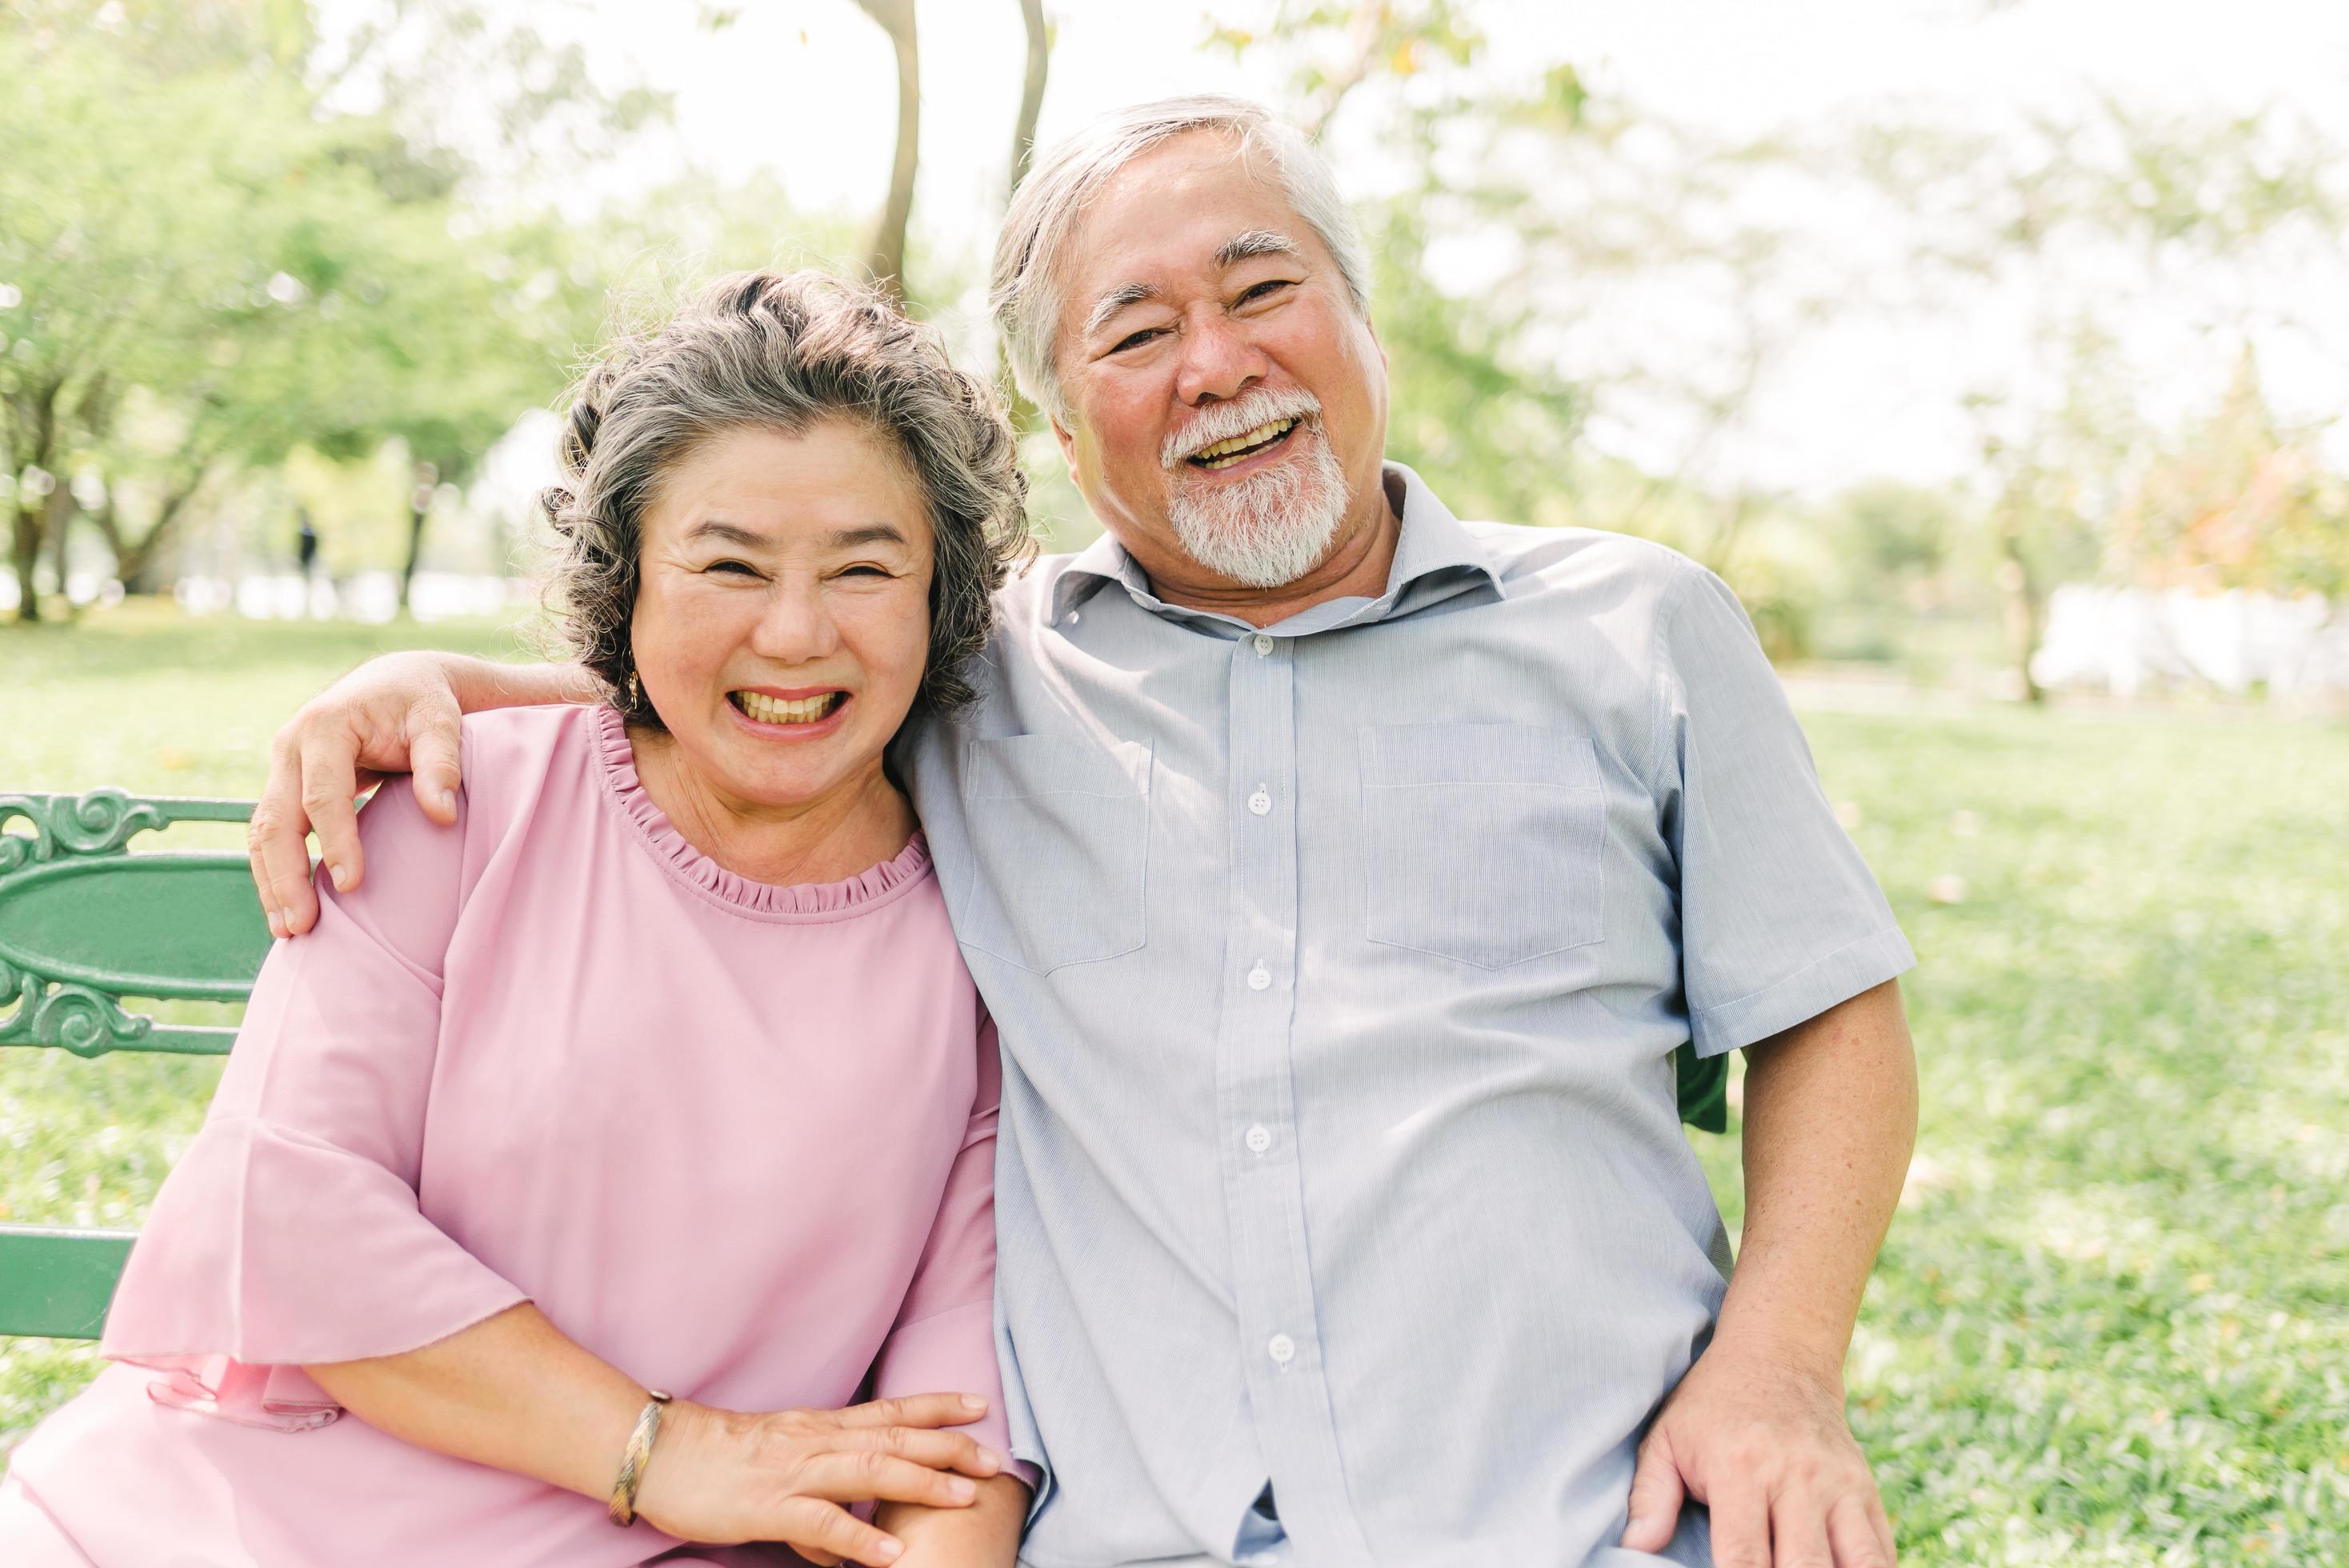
(1218, 360)
(797, 627)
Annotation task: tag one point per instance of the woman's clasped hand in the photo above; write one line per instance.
(722, 1477)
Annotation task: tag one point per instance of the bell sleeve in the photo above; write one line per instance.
(944, 1339)
(289, 1233)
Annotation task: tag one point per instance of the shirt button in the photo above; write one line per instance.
(1259, 1138)
(1283, 1350)
(1259, 977)
(1263, 644)
(1259, 803)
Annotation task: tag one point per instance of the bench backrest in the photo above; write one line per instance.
(84, 925)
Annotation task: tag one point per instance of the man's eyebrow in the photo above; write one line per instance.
(1255, 243)
(1116, 300)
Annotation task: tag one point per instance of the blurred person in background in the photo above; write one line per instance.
(657, 1070)
(1342, 878)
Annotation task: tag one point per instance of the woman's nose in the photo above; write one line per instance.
(797, 627)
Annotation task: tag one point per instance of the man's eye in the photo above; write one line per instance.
(1264, 290)
(1131, 339)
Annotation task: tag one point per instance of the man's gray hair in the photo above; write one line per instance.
(1024, 291)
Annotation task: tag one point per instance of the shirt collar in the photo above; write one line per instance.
(1431, 542)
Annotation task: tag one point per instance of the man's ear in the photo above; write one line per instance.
(1068, 440)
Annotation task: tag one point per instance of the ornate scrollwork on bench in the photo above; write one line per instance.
(83, 922)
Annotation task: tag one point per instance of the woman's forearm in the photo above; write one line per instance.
(512, 1391)
(984, 1535)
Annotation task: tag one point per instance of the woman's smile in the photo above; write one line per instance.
(808, 713)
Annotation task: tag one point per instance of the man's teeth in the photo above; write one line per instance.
(801, 711)
(1207, 455)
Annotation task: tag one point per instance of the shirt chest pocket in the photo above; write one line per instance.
(1059, 834)
(1483, 842)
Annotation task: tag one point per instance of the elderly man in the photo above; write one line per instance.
(1343, 877)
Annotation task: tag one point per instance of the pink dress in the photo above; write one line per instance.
(735, 1139)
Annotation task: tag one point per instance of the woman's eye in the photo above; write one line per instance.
(866, 571)
(740, 568)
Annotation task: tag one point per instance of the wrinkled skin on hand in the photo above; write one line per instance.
(1763, 1442)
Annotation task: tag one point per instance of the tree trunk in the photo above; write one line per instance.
(25, 554)
(416, 517)
(37, 417)
(2026, 608)
(885, 258)
(419, 511)
(1025, 415)
(62, 509)
(138, 564)
(1031, 89)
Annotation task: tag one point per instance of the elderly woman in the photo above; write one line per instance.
(587, 1163)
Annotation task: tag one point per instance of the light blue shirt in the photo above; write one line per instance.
(1338, 969)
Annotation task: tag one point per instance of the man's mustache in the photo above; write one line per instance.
(1222, 421)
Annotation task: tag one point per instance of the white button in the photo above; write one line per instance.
(1259, 803)
(1072, 617)
(1259, 1138)
(1283, 1350)
(1259, 977)
(1263, 644)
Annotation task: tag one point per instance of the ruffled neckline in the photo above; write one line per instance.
(866, 890)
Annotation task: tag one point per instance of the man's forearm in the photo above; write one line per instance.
(1830, 1121)
(483, 683)
(984, 1535)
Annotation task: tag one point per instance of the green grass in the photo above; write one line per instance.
(2111, 1324)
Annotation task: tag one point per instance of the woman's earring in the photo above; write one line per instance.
(635, 692)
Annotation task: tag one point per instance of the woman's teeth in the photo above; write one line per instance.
(1224, 454)
(800, 710)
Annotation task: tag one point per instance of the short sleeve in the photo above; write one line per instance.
(1780, 918)
(289, 1233)
(944, 1338)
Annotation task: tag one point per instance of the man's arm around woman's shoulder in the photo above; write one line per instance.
(399, 713)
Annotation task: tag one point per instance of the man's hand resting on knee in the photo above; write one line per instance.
(396, 714)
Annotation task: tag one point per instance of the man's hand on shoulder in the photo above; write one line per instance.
(1763, 1444)
(398, 713)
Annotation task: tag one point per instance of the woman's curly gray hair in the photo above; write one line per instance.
(781, 352)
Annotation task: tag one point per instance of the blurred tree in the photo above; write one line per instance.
(2201, 218)
(2241, 500)
(188, 230)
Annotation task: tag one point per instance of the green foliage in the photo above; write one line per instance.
(192, 239)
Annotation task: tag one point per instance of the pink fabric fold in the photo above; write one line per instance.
(269, 1250)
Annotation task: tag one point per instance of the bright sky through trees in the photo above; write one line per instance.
(805, 88)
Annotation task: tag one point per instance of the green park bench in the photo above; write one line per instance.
(85, 924)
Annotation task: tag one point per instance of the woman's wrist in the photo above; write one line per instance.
(692, 1437)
